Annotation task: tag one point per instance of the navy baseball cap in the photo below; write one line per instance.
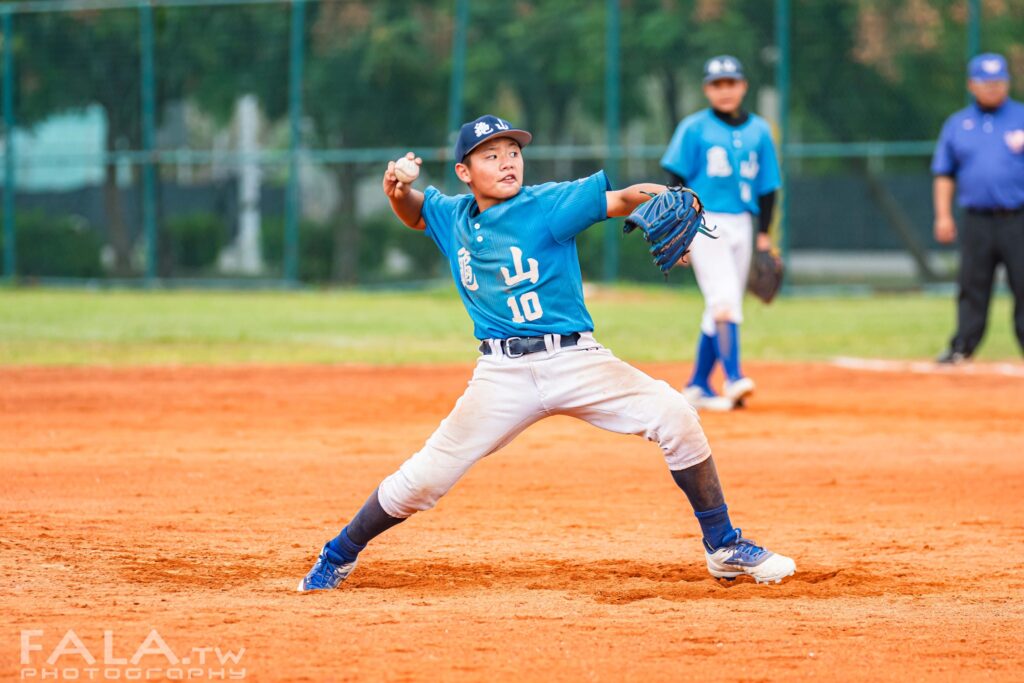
(988, 67)
(723, 66)
(472, 134)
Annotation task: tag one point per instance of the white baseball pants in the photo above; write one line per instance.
(507, 395)
(721, 267)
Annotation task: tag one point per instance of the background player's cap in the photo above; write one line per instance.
(723, 66)
(988, 67)
(484, 128)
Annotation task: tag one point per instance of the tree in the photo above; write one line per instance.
(230, 51)
(372, 81)
(547, 55)
(670, 41)
(68, 61)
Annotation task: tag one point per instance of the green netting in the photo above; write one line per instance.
(272, 122)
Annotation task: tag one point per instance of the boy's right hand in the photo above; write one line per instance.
(393, 187)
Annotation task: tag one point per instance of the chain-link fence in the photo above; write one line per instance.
(179, 141)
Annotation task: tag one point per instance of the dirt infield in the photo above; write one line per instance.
(189, 502)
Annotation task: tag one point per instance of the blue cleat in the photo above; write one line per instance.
(743, 556)
(328, 572)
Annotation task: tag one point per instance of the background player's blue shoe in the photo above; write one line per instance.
(328, 572)
(743, 556)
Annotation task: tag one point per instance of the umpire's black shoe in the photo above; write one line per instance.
(952, 357)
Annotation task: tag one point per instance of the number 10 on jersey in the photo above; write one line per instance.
(527, 308)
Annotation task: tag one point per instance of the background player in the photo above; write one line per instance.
(512, 254)
(727, 155)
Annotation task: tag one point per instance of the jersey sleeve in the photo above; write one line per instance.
(571, 208)
(438, 215)
(944, 160)
(768, 178)
(681, 155)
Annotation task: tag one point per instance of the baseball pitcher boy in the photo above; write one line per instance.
(727, 156)
(512, 254)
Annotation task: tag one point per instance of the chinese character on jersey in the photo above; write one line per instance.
(466, 271)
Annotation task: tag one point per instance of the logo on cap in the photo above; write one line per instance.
(721, 67)
(718, 66)
(483, 128)
(991, 66)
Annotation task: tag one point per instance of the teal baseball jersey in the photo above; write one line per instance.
(515, 265)
(729, 167)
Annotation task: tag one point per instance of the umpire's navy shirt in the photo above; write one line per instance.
(984, 151)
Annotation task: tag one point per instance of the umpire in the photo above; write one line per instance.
(980, 153)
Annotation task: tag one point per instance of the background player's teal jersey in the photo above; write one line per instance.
(515, 265)
(728, 166)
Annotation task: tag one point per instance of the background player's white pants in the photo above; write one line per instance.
(507, 395)
(722, 265)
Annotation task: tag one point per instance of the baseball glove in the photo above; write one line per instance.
(669, 221)
(766, 272)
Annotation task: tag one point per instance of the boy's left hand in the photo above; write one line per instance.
(669, 222)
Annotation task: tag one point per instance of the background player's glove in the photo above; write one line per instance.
(669, 221)
(766, 272)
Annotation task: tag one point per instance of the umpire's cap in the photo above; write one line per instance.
(723, 66)
(988, 67)
(472, 134)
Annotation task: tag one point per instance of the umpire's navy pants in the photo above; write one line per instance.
(986, 240)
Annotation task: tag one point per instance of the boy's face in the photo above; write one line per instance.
(726, 94)
(494, 170)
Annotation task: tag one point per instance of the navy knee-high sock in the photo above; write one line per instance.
(728, 342)
(716, 527)
(703, 489)
(370, 522)
(343, 549)
(704, 363)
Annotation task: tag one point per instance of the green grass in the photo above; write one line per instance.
(79, 327)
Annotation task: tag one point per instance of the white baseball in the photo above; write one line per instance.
(406, 170)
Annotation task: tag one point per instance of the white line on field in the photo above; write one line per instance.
(929, 367)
